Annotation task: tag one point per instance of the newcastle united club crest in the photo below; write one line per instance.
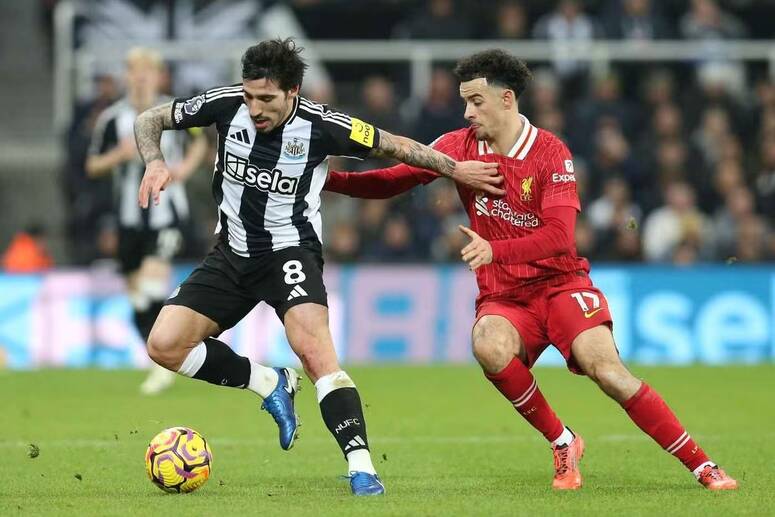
(294, 149)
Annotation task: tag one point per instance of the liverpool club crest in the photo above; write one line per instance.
(526, 193)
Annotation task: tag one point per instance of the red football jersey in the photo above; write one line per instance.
(538, 174)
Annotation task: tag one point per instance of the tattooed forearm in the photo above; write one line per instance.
(148, 128)
(413, 153)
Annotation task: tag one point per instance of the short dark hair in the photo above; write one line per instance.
(497, 66)
(276, 59)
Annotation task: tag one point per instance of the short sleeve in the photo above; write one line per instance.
(105, 135)
(348, 136)
(206, 108)
(559, 179)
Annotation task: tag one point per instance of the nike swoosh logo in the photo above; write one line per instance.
(590, 314)
(287, 386)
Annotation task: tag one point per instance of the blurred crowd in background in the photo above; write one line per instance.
(675, 162)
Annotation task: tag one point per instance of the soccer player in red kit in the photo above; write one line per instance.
(533, 288)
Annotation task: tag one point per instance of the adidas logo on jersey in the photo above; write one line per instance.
(242, 171)
(241, 136)
(296, 292)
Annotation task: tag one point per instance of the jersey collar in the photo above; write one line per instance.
(293, 111)
(521, 147)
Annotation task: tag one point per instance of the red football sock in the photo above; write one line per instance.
(649, 412)
(517, 384)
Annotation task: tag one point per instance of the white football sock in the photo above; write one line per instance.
(697, 471)
(331, 382)
(263, 380)
(360, 461)
(564, 439)
(193, 361)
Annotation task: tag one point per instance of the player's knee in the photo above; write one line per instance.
(490, 333)
(483, 351)
(491, 346)
(164, 348)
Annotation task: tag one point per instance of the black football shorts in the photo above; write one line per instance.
(225, 286)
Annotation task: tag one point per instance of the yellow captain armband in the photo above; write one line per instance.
(195, 131)
(362, 132)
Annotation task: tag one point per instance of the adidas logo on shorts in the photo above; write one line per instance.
(296, 292)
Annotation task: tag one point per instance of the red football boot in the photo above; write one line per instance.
(567, 475)
(713, 478)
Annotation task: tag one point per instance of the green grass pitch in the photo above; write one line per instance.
(443, 440)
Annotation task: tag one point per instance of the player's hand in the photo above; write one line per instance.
(478, 252)
(156, 178)
(479, 176)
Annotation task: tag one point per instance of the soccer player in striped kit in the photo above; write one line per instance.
(272, 162)
(533, 288)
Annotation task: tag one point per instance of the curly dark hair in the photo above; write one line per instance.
(276, 59)
(497, 66)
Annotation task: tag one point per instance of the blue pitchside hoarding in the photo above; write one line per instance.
(416, 314)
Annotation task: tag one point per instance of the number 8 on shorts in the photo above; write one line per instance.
(293, 272)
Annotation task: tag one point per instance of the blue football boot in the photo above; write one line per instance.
(279, 404)
(363, 483)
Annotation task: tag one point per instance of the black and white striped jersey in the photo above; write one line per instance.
(268, 186)
(114, 125)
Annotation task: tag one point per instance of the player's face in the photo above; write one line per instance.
(268, 104)
(143, 79)
(485, 108)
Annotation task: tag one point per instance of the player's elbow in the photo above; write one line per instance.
(140, 121)
(143, 120)
(563, 238)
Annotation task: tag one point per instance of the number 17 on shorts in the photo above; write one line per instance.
(589, 303)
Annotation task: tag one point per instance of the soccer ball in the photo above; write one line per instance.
(178, 460)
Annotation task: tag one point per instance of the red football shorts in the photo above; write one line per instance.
(552, 312)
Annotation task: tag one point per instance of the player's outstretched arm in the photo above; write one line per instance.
(378, 183)
(148, 128)
(478, 176)
(554, 239)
